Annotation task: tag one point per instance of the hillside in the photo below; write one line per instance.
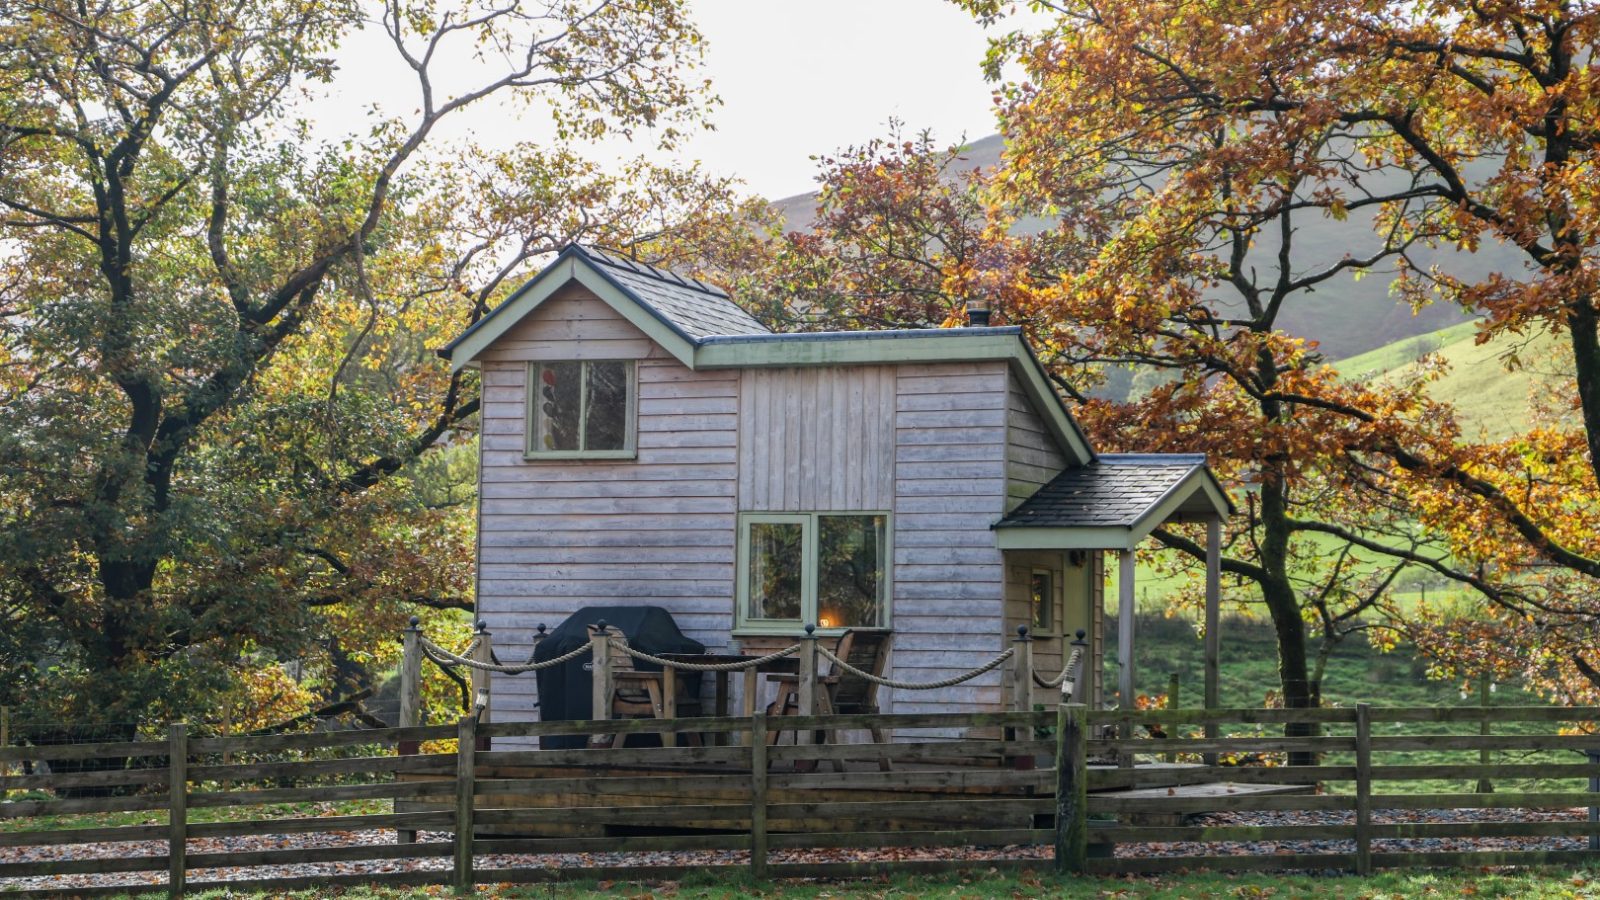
(1346, 317)
(1492, 399)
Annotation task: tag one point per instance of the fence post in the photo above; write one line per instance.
(466, 748)
(600, 671)
(807, 685)
(1072, 796)
(1174, 701)
(1363, 789)
(1594, 788)
(177, 807)
(1485, 786)
(5, 741)
(758, 795)
(1022, 671)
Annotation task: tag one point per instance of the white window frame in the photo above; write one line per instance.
(630, 448)
(743, 625)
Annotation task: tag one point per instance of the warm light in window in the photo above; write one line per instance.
(824, 622)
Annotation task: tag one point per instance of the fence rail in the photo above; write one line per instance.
(484, 800)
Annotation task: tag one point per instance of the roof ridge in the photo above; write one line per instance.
(619, 259)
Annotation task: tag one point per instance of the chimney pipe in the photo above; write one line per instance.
(977, 314)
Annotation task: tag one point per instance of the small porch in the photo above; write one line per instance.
(1094, 512)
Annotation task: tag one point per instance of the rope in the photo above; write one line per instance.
(445, 658)
(917, 685)
(1072, 664)
(703, 667)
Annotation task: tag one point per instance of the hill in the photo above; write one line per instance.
(1492, 398)
(1344, 316)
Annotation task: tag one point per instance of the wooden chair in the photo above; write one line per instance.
(841, 693)
(640, 695)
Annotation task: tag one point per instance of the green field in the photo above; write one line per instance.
(1491, 397)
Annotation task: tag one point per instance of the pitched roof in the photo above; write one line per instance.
(1118, 490)
(695, 308)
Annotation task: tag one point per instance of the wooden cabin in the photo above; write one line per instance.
(645, 440)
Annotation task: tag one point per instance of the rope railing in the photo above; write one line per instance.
(1065, 673)
(916, 685)
(445, 658)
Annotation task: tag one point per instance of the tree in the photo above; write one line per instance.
(214, 378)
(1443, 125)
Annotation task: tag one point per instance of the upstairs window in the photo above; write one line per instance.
(581, 409)
(827, 569)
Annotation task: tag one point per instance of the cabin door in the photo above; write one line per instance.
(1049, 591)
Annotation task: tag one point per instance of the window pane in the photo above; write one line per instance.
(775, 570)
(850, 571)
(607, 411)
(1040, 595)
(556, 411)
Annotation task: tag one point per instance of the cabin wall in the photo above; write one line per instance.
(558, 535)
(817, 439)
(950, 487)
(1032, 456)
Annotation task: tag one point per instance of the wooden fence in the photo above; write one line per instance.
(1357, 774)
(492, 808)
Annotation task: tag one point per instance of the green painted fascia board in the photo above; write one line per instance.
(1103, 537)
(1198, 481)
(557, 276)
(802, 350)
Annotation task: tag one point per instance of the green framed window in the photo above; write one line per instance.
(582, 409)
(1042, 599)
(830, 569)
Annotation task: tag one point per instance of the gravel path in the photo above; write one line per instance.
(711, 858)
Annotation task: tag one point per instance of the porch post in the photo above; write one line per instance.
(1213, 697)
(1126, 697)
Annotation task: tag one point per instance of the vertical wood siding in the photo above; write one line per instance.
(817, 439)
(1032, 457)
(558, 535)
(950, 487)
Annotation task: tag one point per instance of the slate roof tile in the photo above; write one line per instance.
(697, 309)
(1115, 490)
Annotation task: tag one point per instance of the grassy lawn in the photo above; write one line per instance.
(1384, 886)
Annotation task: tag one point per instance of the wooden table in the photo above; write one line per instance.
(723, 681)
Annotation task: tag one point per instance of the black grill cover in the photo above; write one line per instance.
(566, 692)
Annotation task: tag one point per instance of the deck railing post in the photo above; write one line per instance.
(1022, 671)
(466, 749)
(482, 679)
(807, 682)
(600, 669)
(1363, 789)
(1072, 796)
(758, 796)
(177, 807)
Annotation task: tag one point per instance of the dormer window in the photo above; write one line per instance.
(582, 409)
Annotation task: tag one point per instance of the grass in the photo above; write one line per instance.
(1491, 400)
(1356, 673)
(1532, 885)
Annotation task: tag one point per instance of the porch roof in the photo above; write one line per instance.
(1114, 502)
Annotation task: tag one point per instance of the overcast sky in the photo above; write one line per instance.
(797, 79)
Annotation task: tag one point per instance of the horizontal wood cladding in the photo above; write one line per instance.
(950, 487)
(1032, 457)
(556, 535)
(817, 438)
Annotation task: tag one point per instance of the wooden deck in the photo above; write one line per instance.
(988, 785)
